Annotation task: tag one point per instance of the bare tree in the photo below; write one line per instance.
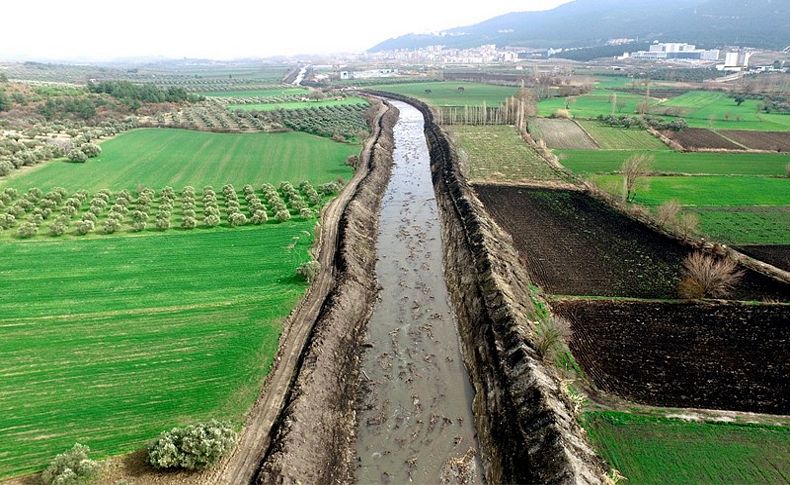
(633, 170)
(707, 277)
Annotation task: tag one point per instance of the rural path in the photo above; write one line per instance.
(417, 423)
(243, 464)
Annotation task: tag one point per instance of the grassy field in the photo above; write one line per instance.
(498, 153)
(109, 341)
(667, 161)
(609, 138)
(158, 157)
(559, 133)
(255, 93)
(711, 191)
(731, 209)
(703, 109)
(297, 104)
(598, 102)
(652, 450)
(446, 93)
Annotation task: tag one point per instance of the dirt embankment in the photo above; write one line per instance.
(313, 437)
(525, 425)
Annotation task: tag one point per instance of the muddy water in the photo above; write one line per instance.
(416, 424)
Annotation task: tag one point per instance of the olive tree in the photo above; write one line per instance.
(193, 448)
(71, 467)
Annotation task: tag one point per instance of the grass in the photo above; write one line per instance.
(731, 209)
(257, 93)
(109, 341)
(445, 93)
(667, 161)
(297, 104)
(559, 133)
(593, 104)
(494, 153)
(609, 138)
(705, 109)
(157, 157)
(653, 450)
(711, 191)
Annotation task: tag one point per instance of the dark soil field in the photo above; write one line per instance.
(778, 255)
(573, 244)
(761, 140)
(701, 138)
(722, 356)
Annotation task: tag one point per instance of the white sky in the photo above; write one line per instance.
(226, 29)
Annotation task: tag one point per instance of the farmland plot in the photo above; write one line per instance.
(609, 138)
(575, 245)
(654, 450)
(350, 101)
(109, 341)
(559, 133)
(701, 138)
(759, 140)
(649, 352)
(447, 93)
(498, 153)
(158, 157)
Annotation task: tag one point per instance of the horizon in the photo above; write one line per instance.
(234, 37)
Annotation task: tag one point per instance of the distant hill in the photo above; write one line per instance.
(587, 23)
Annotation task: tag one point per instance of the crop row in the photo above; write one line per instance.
(57, 213)
(340, 122)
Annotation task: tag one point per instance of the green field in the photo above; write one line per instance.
(257, 93)
(494, 153)
(666, 161)
(704, 109)
(110, 341)
(598, 102)
(158, 157)
(652, 450)
(711, 191)
(731, 209)
(297, 104)
(445, 93)
(609, 138)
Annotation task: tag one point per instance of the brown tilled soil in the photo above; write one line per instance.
(761, 140)
(701, 139)
(717, 356)
(573, 244)
(778, 255)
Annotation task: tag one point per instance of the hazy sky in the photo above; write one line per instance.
(224, 29)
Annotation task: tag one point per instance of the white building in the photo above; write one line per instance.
(735, 61)
(675, 50)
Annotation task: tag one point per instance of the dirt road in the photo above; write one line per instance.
(416, 423)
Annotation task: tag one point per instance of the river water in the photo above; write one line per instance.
(416, 424)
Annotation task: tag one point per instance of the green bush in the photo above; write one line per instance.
(308, 270)
(78, 156)
(71, 468)
(193, 447)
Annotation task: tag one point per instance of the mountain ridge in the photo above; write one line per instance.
(588, 23)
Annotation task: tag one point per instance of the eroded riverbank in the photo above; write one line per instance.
(416, 423)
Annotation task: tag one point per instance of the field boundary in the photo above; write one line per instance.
(525, 423)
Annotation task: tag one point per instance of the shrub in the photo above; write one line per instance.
(71, 468)
(193, 447)
(211, 220)
(7, 221)
(163, 223)
(57, 229)
(259, 217)
(77, 155)
(27, 229)
(667, 213)
(91, 150)
(330, 188)
(550, 334)
(282, 216)
(85, 226)
(237, 219)
(188, 223)
(308, 270)
(5, 168)
(305, 213)
(111, 225)
(704, 276)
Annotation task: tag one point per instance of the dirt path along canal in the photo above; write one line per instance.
(416, 422)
